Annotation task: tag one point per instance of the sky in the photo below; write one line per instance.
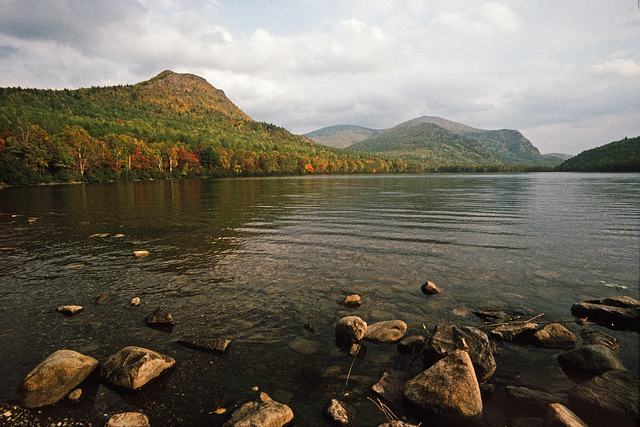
(564, 73)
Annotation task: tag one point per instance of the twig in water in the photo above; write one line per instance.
(512, 323)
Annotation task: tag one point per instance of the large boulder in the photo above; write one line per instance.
(386, 332)
(448, 338)
(554, 335)
(262, 412)
(132, 367)
(559, 415)
(620, 312)
(449, 389)
(350, 330)
(591, 359)
(54, 378)
(612, 399)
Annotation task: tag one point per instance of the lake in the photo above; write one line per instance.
(254, 260)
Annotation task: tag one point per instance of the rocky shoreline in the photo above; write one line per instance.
(457, 365)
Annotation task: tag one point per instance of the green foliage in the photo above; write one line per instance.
(174, 125)
(617, 156)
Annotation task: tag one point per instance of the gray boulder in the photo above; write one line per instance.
(128, 419)
(350, 330)
(554, 335)
(594, 359)
(132, 367)
(448, 338)
(448, 389)
(609, 399)
(621, 312)
(54, 378)
(262, 412)
(386, 332)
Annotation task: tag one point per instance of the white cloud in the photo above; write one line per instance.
(626, 68)
(487, 20)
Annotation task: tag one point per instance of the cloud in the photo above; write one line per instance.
(487, 20)
(625, 68)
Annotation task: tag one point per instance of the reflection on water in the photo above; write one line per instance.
(254, 260)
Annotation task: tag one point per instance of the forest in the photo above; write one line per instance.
(617, 156)
(174, 125)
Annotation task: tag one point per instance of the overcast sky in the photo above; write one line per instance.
(565, 73)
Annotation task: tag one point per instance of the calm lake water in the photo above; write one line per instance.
(253, 260)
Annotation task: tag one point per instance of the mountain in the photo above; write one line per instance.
(617, 156)
(560, 156)
(172, 125)
(340, 136)
(447, 143)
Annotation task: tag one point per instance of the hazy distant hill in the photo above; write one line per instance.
(560, 155)
(436, 141)
(340, 136)
(617, 156)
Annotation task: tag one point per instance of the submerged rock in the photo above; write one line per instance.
(132, 367)
(219, 346)
(128, 419)
(262, 412)
(448, 389)
(449, 338)
(160, 317)
(620, 312)
(554, 335)
(612, 398)
(54, 378)
(591, 336)
(350, 330)
(101, 299)
(386, 332)
(390, 386)
(593, 359)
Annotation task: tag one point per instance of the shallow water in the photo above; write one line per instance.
(253, 260)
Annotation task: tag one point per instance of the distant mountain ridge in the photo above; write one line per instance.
(434, 141)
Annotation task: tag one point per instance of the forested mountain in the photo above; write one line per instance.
(436, 142)
(617, 156)
(341, 136)
(172, 125)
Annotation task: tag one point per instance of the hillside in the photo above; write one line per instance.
(172, 125)
(617, 156)
(340, 136)
(455, 143)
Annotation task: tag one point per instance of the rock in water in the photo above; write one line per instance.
(612, 399)
(132, 367)
(350, 330)
(262, 412)
(140, 254)
(337, 414)
(54, 378)
(160, 317)
(448, 389)
(622, 312)
(352, 301)
(559, 415)
(447, 338)
(128, 419)
(219, 346)
(514, 331)
(591, 336)
(386, 332)
(554, 335)
(594, 359)
(429, 288)
(69, 310)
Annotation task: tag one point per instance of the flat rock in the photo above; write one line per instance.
(609, 399)
(69, 310)
(559, 415)
(592, 336)
(132, 367)
(449, 338)
(535, 401)
(128, 419)
(262, 412)
(337, 413)
(219, 346)
(554, 335)
(54, 378)
(352, 301)
(594, 359)
(620, 312)
(514, 331)
(304, 346)
(386, 332)
(448, 389)
(430, 288)
(350, 330)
